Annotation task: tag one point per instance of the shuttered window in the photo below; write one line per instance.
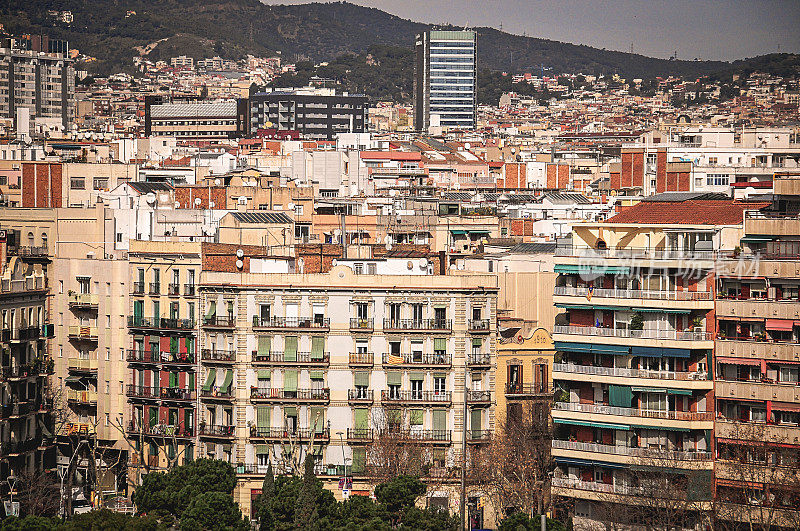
(290, 381)
(440, 419)
(290, 349)
(317, 348)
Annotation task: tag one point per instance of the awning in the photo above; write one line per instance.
(212, 376)
(756, 239)
(782, 325)
(563, 346)
(594, 269)
(684, 392)
(657, 352)
(458, 232)
(72, 379)
(739, 361)
(226, 384)
(660, 428)
(570, 306)
(648, 389)
(663, 310)
(586, 462)
(786, 406)
(592, 424)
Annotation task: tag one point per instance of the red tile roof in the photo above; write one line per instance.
(390, 155)
(691, 212)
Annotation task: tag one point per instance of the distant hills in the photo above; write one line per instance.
(111, 29)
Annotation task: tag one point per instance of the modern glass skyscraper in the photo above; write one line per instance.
(444, 80)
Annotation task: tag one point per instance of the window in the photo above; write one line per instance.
(100, 183)
(439, 384)
(416, 388)
(416, 312)
(361, 311)
(372, 269)
(717, 179)
(358, 268)
(77, 183)
(394, 313)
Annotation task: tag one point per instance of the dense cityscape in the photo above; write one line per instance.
(393, 289)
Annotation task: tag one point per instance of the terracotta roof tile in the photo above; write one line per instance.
(692, 212)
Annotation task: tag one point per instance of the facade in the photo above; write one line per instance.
(330, 362)
(634, 401)
(196, 121)
(26, 425)
(162, 355)
(38, 78)
(757, 361)
(318, 114)
(445, 80)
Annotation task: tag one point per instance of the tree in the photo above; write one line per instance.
(400, 493)
(305, 516)
(513, 469)
(522, 522)
(39, 493)
(212, 511)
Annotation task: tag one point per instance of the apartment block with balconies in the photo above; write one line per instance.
(162, 358)
(332, 362)
(757, 367)
(26, 422)
(634, 396)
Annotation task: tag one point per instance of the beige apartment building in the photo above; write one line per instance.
(329, 363)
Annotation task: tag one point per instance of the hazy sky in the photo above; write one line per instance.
(707, 29)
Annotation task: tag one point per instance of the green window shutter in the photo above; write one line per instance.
(173, 380)
(316, 375)
(477, 342)
(264, 374)
(620, 395)
(262, 416)
(360, 416)
(416, 375)
(261, 449)
(416, 417)
(317, 420)
(290, 381)
(475, 421)
(440, 375)
(210, 379)
(361, 379)
(289, 411)
(317, 347)
(191, 381)
(189, 342)
(171, 450)
(173, 345)
(264, 345)
(212, 309)
(393, 378)
(138, 309)
(226, 385)
(173, 417)
(153, 412)
(188, 418)
(359, 460)
(440, 343)
(439, 419)
(230, 307)
(290, 348)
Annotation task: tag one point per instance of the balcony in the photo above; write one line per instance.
(528, 390)
(28, 251)
(216, 394)
(321, 395)
(674, 335)
(155, 288)
(361, 359)
(644, 453)
(84, 301)
(284, 434)
(82, 365)
(177, 394)
(226, 432)
(402, 361)
(28, 333)
(138, 288)
(320, 359)
(479, 397)
(479, 326)
(758, 223)
(632, 412)
(189, 290)
(479, 436)
(357, 324)
(635, 253)
(625, 298)
(756, 390)
(317, 323)
(479, 360)
(569, 368)
(155, 323)
(82, 333)
(170, 358)
(418, 436)
(174, 290)
(430, 325)
(81, 397)
(142, 391)
(360, 396)
(219, 321)
(416, 397)
(217, 356)
(359, 435)
(160, 431)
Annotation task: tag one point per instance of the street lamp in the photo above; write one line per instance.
(344, 459)
(63, 472)
(12, 483)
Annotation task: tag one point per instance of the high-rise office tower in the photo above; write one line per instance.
(444, 80)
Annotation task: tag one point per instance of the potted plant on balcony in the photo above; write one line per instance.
(637, 322)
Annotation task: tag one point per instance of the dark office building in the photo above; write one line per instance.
(317, 114)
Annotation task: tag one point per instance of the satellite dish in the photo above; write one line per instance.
(177, 204)
(211, 204)
(290, 206)
(337, 232)
(216, 182)
(197, 201)
(389, 246)
(387, 239)
(239, 264)
(268, 125)
(150, 198)
(467, 146)
(334, 262)
(423, 263)
(239, 253)
(410, 265)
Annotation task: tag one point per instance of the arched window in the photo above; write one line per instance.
(44, 240)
